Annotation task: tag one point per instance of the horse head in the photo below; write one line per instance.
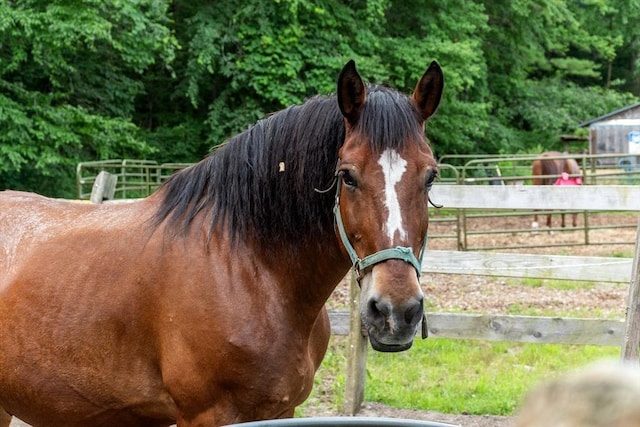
(385, 171)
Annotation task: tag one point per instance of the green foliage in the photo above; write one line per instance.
(69, 75)
(171, 79)
(259, 57)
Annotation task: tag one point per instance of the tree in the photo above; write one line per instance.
(69, 75)
(545, 67)
(452, 33)
(242, 62)
(169, 80)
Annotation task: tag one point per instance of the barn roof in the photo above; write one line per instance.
(610, 115)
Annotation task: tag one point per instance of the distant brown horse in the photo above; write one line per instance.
(203, 304)
(551, 170)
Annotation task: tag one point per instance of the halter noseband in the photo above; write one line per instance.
(360, 264)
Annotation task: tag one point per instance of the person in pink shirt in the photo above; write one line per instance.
(565, 179)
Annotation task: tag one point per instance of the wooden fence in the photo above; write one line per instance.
(533, 329)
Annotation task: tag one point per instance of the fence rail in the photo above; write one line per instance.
(525, 329)
(134, 178)
(588, 197)
(601, 169)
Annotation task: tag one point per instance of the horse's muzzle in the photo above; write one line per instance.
(392, 327)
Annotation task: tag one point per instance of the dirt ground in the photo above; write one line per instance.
(479, 294)
(475, 294)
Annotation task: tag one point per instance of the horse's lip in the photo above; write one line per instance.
(388, 348)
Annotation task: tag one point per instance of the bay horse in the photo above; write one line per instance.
(551, 170)
(203, 304)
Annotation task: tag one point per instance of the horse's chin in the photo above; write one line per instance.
(389, 348)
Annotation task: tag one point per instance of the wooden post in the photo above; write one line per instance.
(356, 355)
(104, 187)
(631, 343)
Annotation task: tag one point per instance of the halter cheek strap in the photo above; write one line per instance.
(402, 253)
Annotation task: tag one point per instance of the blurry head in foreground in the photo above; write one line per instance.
(604, 394)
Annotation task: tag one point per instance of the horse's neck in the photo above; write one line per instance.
(311, 273)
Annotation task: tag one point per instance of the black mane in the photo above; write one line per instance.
(242, 185)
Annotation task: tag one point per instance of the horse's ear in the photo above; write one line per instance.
(429, 91)
(351, 93)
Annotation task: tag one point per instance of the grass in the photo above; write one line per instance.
(622, 254)
(561, 285)
(475, 377)
(328, 387)
(518, 309)
(451, 376)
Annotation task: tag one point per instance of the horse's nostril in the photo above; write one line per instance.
(383, 308)
(414, 312)
(378, 311)
(379, 308)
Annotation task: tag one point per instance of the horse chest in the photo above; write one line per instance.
(239, 382)
(281, 369)
(279, 387)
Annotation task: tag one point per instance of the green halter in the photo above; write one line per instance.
(360, 264)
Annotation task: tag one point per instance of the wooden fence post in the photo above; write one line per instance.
(631, 343)
(104, 187)
(356, 354)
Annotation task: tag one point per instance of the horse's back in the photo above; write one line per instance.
(25, 218)
(28, 221)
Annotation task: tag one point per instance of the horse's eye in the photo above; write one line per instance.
(348, 179)
(431, 176)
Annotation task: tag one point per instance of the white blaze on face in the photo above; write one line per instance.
(393, 167)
